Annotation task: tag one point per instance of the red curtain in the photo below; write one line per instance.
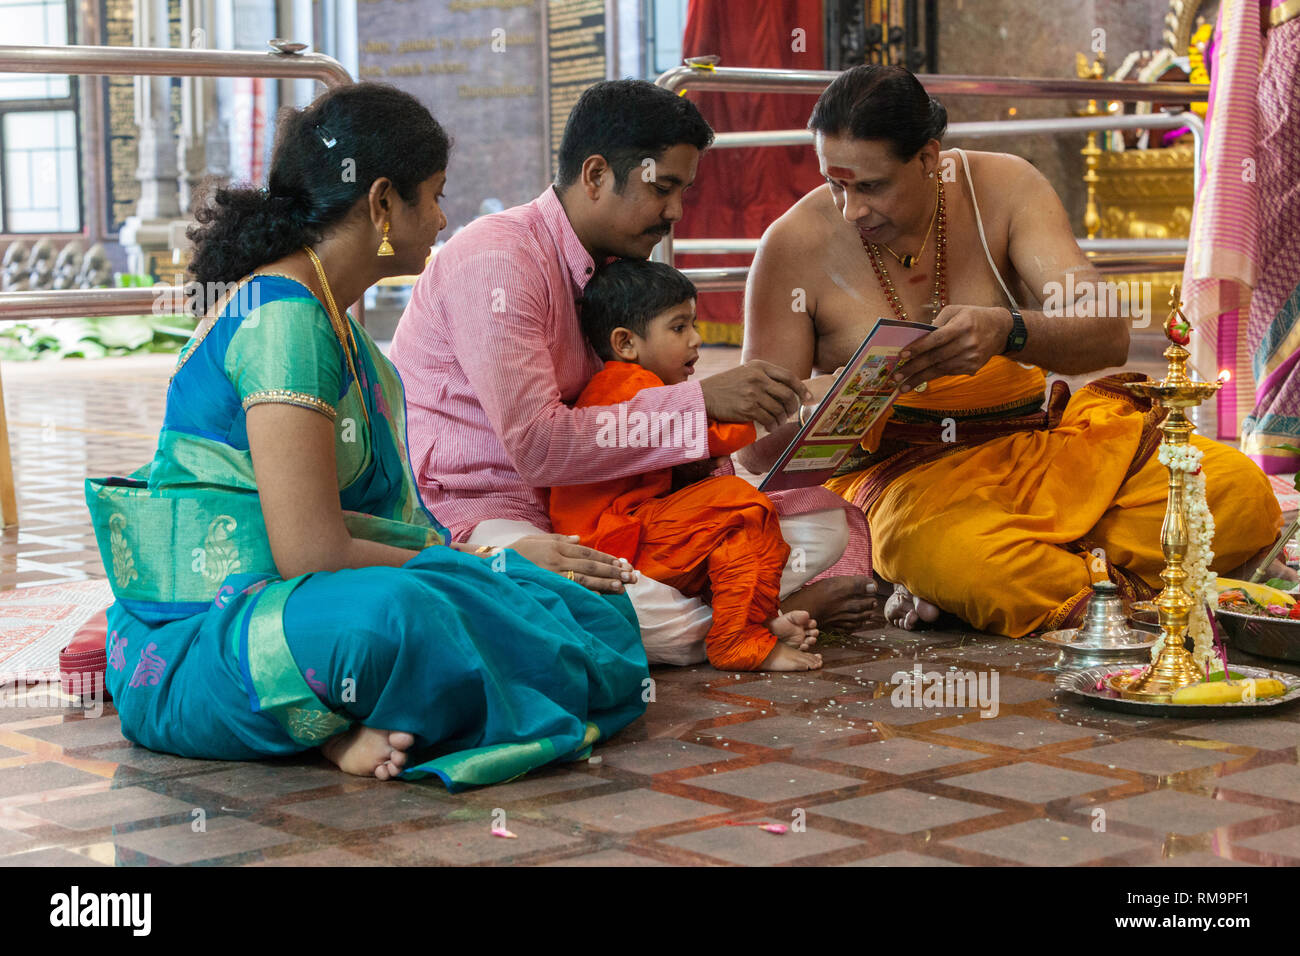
(740, 192)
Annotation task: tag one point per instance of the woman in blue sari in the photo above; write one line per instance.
(280, 586)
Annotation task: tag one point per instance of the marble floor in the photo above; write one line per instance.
(856, 780)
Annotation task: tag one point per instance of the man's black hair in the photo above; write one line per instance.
(627, 121)
(877, 101)
(629, 293)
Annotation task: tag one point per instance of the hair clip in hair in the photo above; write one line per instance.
(326, 137)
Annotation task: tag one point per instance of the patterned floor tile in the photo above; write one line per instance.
(772, 782)
(44, 776)
(50, 856)
(84, 732)
(1151, 756)
(658, 756)
(631, 810)
(780, 732)
(1171, 811)
(372, 806)
(902, 811)
(222, 836)
(259, 781)
(1022, 733)
(1197, 860)
(109, 807)
(900, 755)
(607, 858)
(1281, 781)
(750, 846)
(1031, 782)
(792, 690)
(1046, 843)
(902, 858)
(1261, 733)
(472, 842)
(1284, 843)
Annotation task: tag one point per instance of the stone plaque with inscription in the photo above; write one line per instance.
(476, 64)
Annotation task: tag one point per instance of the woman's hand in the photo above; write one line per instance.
(560, 553)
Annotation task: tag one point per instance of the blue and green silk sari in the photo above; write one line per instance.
(493, 664)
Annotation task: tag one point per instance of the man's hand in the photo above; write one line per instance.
(967, 337)
(757, 392)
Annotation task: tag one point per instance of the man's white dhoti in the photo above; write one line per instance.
(673, 626)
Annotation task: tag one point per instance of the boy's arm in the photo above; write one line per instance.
(503, 351)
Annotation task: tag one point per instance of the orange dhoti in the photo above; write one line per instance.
(719, 534)
(1006, 532)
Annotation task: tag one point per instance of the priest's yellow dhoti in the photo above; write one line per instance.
(1002, 512)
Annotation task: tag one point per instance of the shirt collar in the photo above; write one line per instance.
(576, 258)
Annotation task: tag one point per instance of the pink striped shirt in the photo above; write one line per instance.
(492, 355)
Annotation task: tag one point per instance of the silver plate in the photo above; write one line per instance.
(1083, 684)
(1144, 641)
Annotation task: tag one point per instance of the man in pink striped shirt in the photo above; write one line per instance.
(492, 355)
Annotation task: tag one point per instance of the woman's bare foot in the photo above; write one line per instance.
(846, 604)
(787, 658)
(906, 610)
(368, 751)
(795, 629)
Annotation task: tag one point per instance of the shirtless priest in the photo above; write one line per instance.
(986, 496)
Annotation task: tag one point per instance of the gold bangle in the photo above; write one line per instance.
(483, 550)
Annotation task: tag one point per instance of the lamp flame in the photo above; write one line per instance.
(1225, 376)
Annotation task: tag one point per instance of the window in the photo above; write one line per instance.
(40, 181)
(665, 24)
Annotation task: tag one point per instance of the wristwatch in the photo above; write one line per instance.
(1019, 335)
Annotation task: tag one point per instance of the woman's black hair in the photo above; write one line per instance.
(627, 122)
(629, 293)
(326, 157)
(880, 102)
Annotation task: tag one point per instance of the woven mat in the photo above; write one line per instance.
(37, 623)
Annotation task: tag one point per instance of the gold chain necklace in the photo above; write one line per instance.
(939, 293)
(339, 325)
(909, 261)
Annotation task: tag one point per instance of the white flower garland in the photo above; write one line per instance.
(1201, 581)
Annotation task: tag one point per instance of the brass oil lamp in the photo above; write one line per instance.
(1174, 668)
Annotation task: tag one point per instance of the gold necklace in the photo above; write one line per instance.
(339, 325)
(909, 261)
(940, 290)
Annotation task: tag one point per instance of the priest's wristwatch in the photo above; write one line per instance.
(1018, 335)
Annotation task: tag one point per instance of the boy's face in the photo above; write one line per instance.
(671, 345)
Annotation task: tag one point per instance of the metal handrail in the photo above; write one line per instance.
(162, 61)
(1018, 127)
(748, 79)
(142, 61)
(78, 303)
(732, 278)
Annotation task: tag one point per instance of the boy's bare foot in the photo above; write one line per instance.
(847, 603)
(368, 751)
(787, 658)
(796, 629)
(906, 610)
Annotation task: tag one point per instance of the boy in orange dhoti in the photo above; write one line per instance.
(676, 525)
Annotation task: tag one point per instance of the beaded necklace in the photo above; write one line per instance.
(939, 293)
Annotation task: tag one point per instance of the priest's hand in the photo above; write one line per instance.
(966, 338)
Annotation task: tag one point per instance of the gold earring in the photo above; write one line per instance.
(385, 248)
